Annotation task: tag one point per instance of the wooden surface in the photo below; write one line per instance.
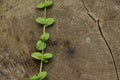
(77, 41)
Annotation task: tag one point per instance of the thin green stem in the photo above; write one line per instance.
(45, 14)
(41, 64)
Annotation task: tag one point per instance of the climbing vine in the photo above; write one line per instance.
(41, 55)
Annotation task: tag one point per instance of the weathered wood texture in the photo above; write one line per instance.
(80, 50)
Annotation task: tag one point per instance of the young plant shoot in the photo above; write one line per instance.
(41, 55)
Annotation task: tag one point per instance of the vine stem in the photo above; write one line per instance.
(45, 14)
(41, 64)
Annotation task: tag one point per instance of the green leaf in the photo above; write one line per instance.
(48, 3)
(40, 45)
(36, 55)
(45, 36)
(49, 21)
(46, 61)
(47, 55)
(41, 5)
(34, 78)
(46, 22)
(45, 4)
(41, 20)
(42, 75)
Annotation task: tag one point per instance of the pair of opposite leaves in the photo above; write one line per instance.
(45, 21)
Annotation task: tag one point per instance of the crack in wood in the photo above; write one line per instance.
(102, 35)
(85, 5)
(88, 12)
(91, 17)
(108, 46)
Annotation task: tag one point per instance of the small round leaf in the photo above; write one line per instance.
(40, 45)
(42, 75)
(45, 36)
(41, 5)
(36, 55)
(47, 55)
(49, 21)
(41, 20)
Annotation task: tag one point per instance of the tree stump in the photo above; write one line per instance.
(84, 36)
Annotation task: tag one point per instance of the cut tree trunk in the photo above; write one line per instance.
(85, 39)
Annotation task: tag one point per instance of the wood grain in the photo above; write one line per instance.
(80, 51)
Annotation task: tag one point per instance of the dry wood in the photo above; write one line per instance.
(80, 50)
